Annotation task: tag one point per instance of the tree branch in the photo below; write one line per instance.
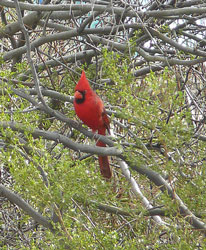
(164, 186)
(73, 33)
(14, 198)
(37, 133)
(107, 8)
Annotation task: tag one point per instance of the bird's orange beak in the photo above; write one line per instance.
(78, 95)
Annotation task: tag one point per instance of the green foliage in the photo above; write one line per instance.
(165, 29)
(157, 120)
(152, 113)
(21, 67)
(153, 103)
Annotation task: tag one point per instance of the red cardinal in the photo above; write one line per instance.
(90, 109)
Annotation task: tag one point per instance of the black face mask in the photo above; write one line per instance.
(81, 100)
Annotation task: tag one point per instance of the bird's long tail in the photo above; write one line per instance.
(104, 163)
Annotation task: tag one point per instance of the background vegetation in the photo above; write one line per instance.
(146, 60)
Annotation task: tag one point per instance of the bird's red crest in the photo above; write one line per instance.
(83, 83)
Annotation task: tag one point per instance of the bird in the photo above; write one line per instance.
(90, 109)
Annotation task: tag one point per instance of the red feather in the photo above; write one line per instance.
(90, 109)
